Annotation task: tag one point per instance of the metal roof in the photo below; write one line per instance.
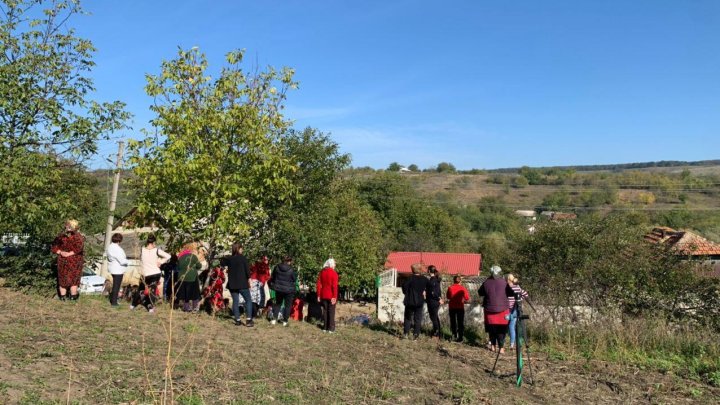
(466, 264)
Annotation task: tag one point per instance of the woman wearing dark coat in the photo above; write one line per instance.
(238, 283)
(495, 292)
(433, 297)
(282, 281)
(415, 290)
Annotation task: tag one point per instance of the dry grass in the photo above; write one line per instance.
(86, 352)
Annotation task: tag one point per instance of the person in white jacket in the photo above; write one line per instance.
(117, 264)
(151, 257)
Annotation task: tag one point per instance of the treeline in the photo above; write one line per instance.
(617, 166)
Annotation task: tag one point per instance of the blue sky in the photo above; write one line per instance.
(481, 84)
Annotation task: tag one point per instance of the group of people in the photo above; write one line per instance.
(250, 286)
(500, 297)
(189, 281)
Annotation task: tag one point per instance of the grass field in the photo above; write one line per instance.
(86, 352)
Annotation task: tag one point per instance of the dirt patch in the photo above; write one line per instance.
(90, 353)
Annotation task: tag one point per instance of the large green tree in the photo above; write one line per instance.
(338, 225)
(214, 161)
(410, 221)
(48, 124)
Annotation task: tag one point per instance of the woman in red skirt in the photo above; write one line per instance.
(495, 292)
(69, 247)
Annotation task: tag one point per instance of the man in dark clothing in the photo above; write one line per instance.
(239, 283)
(282, 281)
(415, 290)
(434, 300)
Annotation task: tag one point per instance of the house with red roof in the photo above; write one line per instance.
(464, 264)
(688, 244)
(397, 270)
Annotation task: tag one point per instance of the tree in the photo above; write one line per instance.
(319, 163)
(215, 161)
(340, 225)
(413, 168)
(409, 222)
(520, 182)
(49, 126)
(394, 167)
(604, 263)
(445, 167)
(48, 123)
(533, 176)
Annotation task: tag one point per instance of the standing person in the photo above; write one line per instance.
(170, 276)
(69, 247)
(327, 294)
(434, 300)
(239, 283)
(117, 265)
(518, 295)
(255, 288)
(151, 258)
(415, 293)
(495, 292)
(188, 289)
(457, 296)
(282, 281)
(260, 271)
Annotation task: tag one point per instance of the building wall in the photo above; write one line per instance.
(391, 308)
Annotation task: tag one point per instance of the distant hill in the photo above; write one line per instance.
(616, 167)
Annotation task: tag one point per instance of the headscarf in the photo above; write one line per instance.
(495, 270)
(329, 263)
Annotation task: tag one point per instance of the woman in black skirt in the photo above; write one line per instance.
(188, 292)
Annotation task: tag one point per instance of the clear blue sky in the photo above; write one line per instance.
(481, 84)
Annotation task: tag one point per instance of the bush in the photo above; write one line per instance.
(605, 264)
(30, 267)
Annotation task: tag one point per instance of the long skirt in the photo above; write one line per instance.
(188, 291)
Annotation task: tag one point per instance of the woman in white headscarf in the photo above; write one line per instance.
(495, 292)
(327, 294)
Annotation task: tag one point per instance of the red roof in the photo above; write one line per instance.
(685, 242)
(466, 264)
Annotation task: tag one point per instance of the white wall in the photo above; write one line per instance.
(391, 308)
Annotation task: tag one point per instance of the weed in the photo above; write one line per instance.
(191, 399)
(695, 392)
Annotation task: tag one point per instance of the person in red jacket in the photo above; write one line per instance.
(457, 296)
(327, 294)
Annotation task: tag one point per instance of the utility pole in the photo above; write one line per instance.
(113, 200)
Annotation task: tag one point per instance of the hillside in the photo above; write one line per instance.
(667, 165)
(55, 352)
(662, 182)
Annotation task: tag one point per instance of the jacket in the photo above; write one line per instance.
(495, 293)
(283, 278)
(457, 296)
(238, 272)
(117, 260)
(433, 293)
(413, 289)
(327, 284)
(151, 259)
(188, 267)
